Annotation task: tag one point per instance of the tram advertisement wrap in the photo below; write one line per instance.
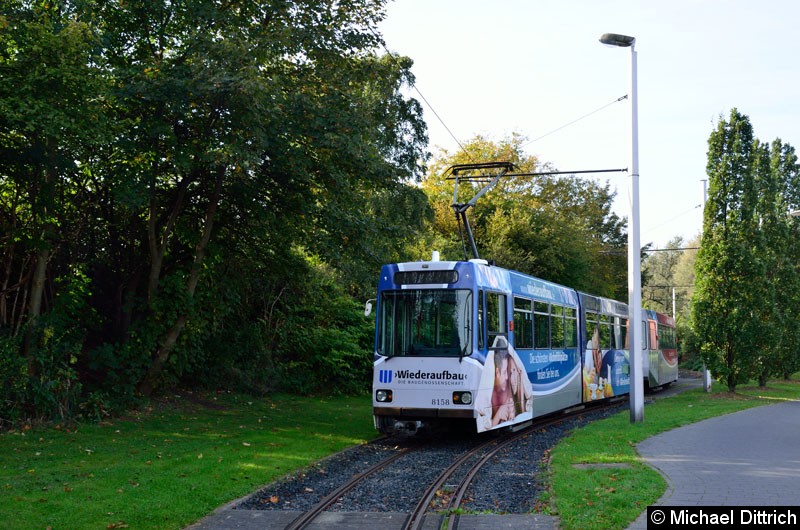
(606, 373)
(505, 395)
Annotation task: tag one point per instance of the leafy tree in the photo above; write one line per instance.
(660, 269)
(683, 276)
(786, 247)
(52, 120)
(771, 215)
(688, 347)
(749, 263)
(184, 166)
(273, 112)
(728, 296)
(559, 229)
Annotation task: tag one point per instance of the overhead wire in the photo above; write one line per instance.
(621, 98)
(417, 90)
(650, 229)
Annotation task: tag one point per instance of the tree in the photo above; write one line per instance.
(729, 298)
(559, 229)
(52, 120)
(659, 269)
(684, 282)
(771, 215)
(271, 107)
(786, 245)
(177, 166)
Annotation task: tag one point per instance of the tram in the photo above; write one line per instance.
(661, 358)
(471, 343)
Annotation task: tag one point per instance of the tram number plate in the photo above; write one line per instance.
(439, 402)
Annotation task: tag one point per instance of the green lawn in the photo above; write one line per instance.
(169, 466)
(588, 491)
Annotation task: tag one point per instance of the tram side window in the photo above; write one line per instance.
(570, 328)
(666, 338)
(617, 334)
(624, 325)
(392, 337)
(541, 325)
(591, 328)
(495, 315)
(481, 320)
(523, 323)
(556, 327)
(644, 335)
(605, 332)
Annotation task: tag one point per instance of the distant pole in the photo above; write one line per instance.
(673, 303)
(706, 372)
(634, 247)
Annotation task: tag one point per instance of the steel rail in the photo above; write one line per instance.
(547, 421)
(304, 519)
(414, 520)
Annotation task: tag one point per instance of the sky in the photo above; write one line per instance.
(537, 68)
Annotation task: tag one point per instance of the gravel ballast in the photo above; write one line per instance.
(509, 483)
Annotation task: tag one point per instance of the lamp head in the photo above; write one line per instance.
(615, 39)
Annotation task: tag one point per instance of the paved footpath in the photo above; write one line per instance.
(748, 458)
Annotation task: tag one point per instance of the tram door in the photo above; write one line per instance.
(653, 356)
(653, 334)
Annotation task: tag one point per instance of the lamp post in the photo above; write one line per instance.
(635, 328)
(707, 383)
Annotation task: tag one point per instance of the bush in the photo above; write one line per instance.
(13, 381)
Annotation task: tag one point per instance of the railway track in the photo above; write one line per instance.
(306, 518)
(468, 465)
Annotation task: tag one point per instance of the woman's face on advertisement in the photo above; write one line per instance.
(513, 374)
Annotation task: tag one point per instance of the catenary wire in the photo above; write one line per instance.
(621, 98)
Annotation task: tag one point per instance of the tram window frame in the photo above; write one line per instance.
(624, 326)
(495, 315)
(440, 331)
(570, 327)
(556, 327)
(604, 325)
(523, 323)
(617, 333)
(541, 325)
(481, 319)
(654, 335)
(666, 338)
(592, 324)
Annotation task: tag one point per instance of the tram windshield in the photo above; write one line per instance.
(425, 322)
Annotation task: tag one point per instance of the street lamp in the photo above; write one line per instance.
(634, 260)
(795, 213)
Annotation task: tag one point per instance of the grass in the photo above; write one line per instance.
(169, 466)
(588, 490)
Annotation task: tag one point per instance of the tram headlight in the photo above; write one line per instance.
(383, 396)
(462, 398)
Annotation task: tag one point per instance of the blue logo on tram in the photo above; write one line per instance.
(385, 376)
